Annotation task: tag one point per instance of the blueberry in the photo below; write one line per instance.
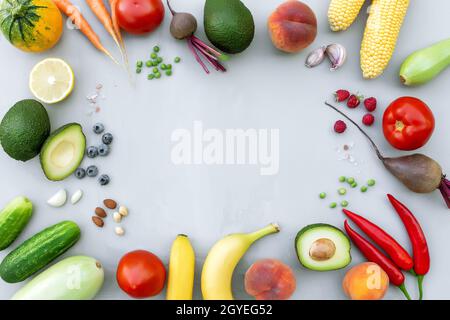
(92, 152)
(103, 150)
(103, 180)
(80, 173)
(92, 171)
(99, 128)
(107, 138)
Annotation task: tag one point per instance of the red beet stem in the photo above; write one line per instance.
(197, 57)
(445, 190)
(206, 47)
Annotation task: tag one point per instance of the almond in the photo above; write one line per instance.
(110, 203)
(100, 212)
(98, 221)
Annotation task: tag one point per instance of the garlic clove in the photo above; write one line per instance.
(58, 199)
(76, 196)
(315, 57)
(337, 55)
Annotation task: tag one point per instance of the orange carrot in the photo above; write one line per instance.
(77, 18)
(102, 14)
(116, 27)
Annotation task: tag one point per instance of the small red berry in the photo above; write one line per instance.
(368, 119)
(370, 104)
(341, 95)
(353, 101)
(340, 126)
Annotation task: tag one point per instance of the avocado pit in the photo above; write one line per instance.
(322, 249)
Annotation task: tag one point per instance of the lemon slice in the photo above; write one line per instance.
(51, 80)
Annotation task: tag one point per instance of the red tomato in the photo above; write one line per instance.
(408, 123)
(141, 274)
(139, 16)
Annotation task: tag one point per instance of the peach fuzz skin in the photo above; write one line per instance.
(270, 279)
(358, 279)
(292, 26)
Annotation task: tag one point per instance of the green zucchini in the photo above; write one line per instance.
(425, 64)
(74, 278)
(38, 251)
(13, 219)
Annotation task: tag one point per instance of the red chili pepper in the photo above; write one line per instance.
(393, 249)
(421, 255)
(372, 254)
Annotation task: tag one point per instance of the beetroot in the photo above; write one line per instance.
(417, 172)
(183, 26)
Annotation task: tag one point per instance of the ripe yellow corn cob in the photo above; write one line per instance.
(382, 29)
(342, 13)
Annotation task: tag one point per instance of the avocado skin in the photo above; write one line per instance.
(229, 25)
(24, 129)
(316, 226)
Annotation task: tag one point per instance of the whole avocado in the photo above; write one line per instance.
(24, 129)
(229, 25)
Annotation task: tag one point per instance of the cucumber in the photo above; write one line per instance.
(74, 278)
(425, 64)
(13, 219)
(38, 251)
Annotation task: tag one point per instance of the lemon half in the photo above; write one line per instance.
(52, 80)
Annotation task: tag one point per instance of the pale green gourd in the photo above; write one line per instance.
(425, 64)
(74, 278)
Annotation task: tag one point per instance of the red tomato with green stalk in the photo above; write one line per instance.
(141, 274)
(139, 16)
(408, 123)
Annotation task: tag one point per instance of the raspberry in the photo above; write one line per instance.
(353, 101)
(368, 119)
(340, 126)
(370, 104)
(341, 95)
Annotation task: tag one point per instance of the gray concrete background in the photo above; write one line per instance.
(263, 89)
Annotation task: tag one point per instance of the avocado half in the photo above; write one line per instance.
(322, 247)
(63, 152)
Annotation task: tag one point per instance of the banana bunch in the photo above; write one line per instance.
(382, 29)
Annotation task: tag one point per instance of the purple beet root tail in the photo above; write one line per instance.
(445, 190)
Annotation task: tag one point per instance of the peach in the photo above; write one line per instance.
(292, 26)
(270, 279)
(366, 281)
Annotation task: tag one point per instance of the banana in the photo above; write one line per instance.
(222, 259)
(181, 269)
